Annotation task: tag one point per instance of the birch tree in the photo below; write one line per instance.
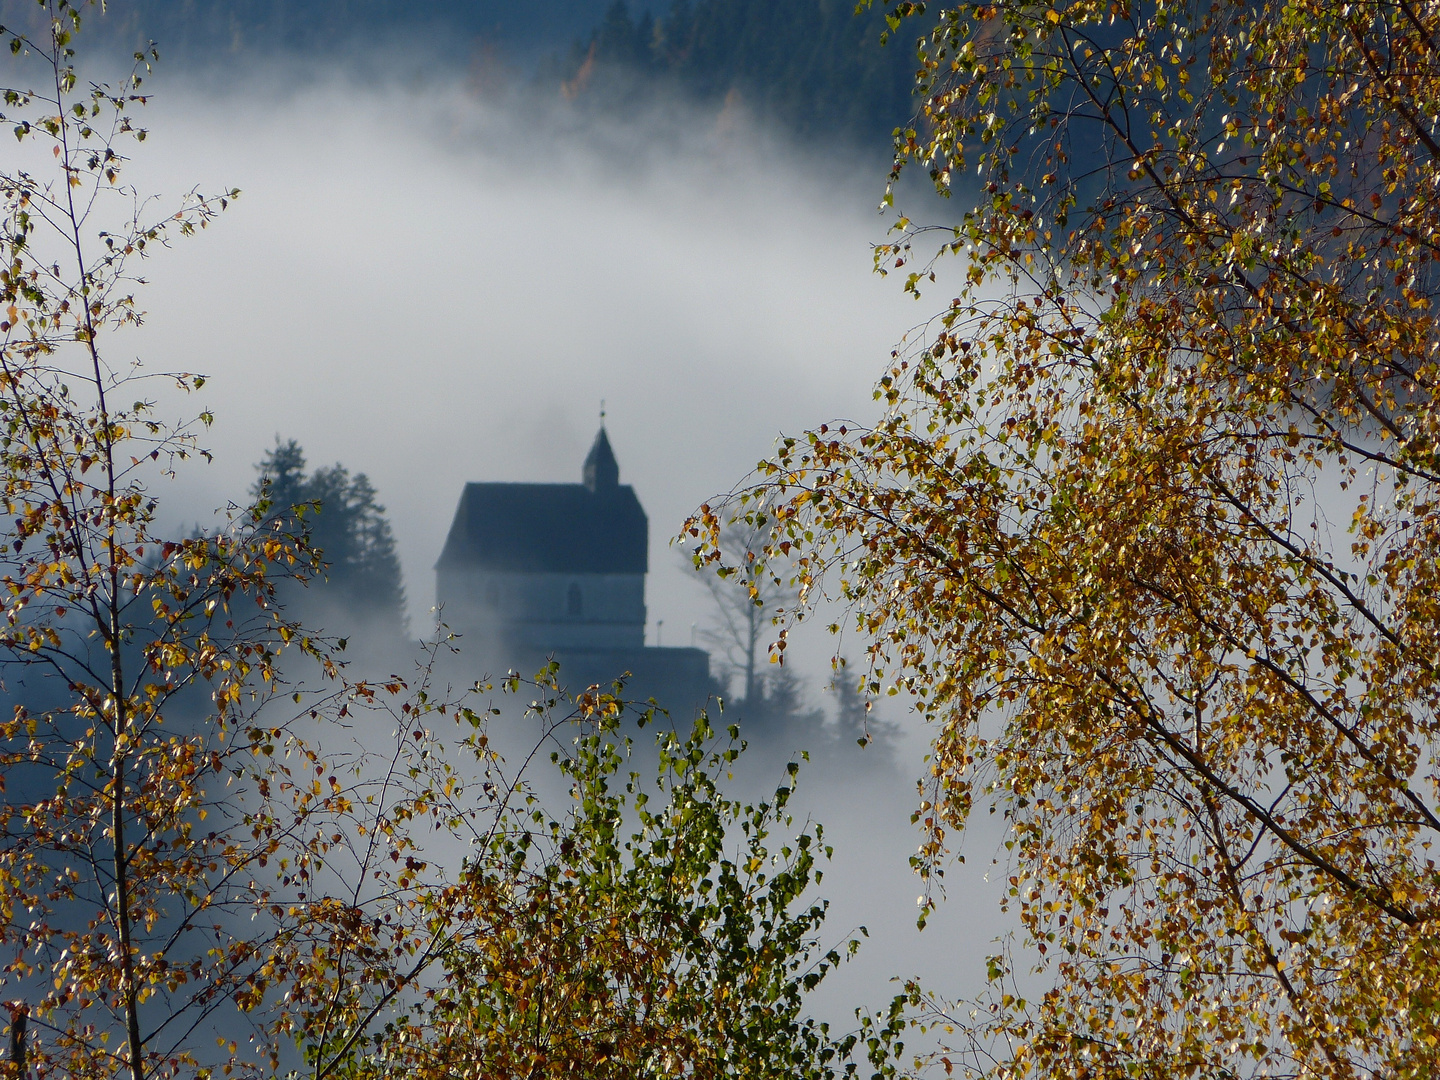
(1149, 526)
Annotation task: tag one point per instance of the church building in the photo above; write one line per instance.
(531, 571)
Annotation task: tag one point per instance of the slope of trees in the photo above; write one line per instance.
(1151, 526)
(197, 33)
(336, 516)
(812, 65)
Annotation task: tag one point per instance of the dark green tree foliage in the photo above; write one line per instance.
(338, 513)
(813, 65)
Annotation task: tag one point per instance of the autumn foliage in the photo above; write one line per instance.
(1150, 525)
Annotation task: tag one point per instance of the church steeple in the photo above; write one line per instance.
(602, 472)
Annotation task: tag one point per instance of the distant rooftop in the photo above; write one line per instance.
(596, 527)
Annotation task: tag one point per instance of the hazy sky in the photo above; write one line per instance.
(423, 289)
(431, 291)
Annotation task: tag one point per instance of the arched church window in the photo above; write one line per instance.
(574, 602)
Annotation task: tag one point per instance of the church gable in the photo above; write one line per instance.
(548, 528)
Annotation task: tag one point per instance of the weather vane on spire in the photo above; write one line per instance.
(602, 412)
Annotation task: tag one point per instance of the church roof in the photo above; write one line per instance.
(597, 527)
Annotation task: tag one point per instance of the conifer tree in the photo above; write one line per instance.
(338, 516)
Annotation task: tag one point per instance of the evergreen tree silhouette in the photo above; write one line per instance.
(341, 517)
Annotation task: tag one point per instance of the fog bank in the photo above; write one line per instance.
(433, 289)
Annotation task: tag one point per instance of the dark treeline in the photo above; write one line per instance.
(196, 32)
(812, 65)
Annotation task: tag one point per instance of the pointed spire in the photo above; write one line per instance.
(602, 472)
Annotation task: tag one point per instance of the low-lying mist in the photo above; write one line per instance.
(432, 288)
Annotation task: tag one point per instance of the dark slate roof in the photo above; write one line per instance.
(564, 528)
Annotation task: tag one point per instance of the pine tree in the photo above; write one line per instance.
(375, 578)
(340, 517)
(855, 719)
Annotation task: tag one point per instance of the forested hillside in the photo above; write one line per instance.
(198, 31)
(814, 65)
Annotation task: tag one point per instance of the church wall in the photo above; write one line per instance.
(545, 610)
